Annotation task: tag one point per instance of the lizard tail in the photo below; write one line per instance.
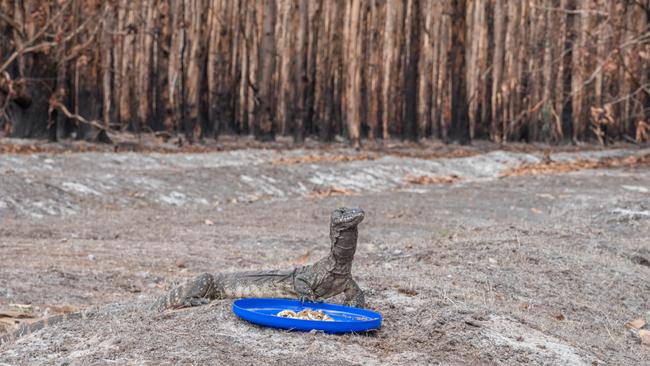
(26, 329)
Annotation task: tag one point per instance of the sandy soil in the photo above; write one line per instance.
(540, 269)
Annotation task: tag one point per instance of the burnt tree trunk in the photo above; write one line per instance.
(302, 80)
(353, 53)
(459, 107)
(454, 70)
(411, 71)
(263, 125)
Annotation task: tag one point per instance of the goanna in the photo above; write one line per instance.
(326, 278)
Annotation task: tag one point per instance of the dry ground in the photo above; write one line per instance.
(536, 269)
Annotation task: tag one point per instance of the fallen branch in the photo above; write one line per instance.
(515, 122)
(628, 138)
(55, 105)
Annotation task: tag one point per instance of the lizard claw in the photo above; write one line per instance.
(190, 302)
(306, 298)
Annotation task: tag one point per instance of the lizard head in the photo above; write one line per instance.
(345, 218)
(343, 234)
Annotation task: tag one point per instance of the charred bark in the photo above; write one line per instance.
(263, 125)
(459, 107)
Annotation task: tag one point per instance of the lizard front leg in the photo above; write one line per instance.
(353, 294)
(303, 289)
(198, 291)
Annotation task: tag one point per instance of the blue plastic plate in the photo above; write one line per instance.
(346, 319)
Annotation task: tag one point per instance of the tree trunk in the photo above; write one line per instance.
(301, 72)
(459, 114)
(264, 111)
(411, 70)
(505, 70)
(193, 21)
(353, 72)
(496, 131)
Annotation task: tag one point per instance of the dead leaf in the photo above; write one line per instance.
(252, 198)
(65, 309)
(407, 291)
(536, 210)
(303, 258)
(559, 316)
(644, 334)
(15, 314)
(524, 306)
(208, 222)
(635, 324)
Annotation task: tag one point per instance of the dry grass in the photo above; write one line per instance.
(427, 179)
(322, 159)
(11, 148)
(330, 191)
(560, 167)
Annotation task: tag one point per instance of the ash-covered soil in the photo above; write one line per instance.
(539, 269)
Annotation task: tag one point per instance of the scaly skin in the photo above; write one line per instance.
(326, 278)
